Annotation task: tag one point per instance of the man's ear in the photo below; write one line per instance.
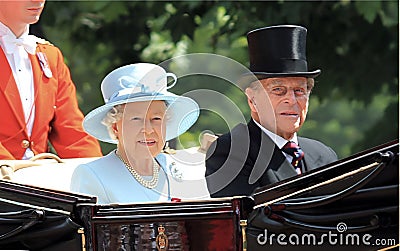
(250, 99)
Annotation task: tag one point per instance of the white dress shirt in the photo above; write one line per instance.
(278, 140)
(22, 71)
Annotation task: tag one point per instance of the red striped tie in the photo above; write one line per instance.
(295, 151)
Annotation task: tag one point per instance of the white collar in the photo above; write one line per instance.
(4, 30)
(278, 140)
(10, 42)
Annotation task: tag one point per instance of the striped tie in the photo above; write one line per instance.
(295, 151)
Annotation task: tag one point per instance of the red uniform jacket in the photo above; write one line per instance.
(57, 116)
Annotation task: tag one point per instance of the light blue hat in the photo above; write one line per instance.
(141, 82)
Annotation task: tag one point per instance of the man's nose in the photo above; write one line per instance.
(290, 96)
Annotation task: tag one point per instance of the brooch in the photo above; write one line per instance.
(176, 173)
(44, 64)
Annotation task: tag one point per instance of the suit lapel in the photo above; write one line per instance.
(283, 169)
(38, 87)
(37, 74)
(311, 159)
(270, 160)
(9, 88)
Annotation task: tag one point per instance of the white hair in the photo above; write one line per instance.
(113, 116)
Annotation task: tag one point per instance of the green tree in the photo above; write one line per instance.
(355, 43)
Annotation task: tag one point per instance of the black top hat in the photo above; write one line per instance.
(278, 51)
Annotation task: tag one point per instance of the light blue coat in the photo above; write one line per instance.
(109, 180)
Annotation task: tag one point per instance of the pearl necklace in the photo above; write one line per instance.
(146, 183)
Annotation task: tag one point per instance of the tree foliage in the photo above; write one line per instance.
(355, 43)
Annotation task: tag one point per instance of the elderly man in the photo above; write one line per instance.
(267, 149)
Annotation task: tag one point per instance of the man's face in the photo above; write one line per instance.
(280, 104)
(20, 12)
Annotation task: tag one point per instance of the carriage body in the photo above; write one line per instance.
(360, 192)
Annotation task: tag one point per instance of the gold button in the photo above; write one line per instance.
(25, 143)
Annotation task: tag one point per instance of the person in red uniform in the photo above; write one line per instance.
(37, 96)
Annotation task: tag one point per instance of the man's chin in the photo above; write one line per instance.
(288, 132)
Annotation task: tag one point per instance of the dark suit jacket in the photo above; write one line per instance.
(246, 158)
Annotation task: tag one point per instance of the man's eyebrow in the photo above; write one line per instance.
(279, 82)
(275, 82)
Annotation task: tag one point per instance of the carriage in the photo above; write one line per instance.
(351, 204)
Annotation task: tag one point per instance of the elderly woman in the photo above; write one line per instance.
(139, 115)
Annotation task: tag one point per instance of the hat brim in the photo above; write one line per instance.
(247, 78)
(183, 113)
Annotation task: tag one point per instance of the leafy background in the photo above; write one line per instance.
(355, 43)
